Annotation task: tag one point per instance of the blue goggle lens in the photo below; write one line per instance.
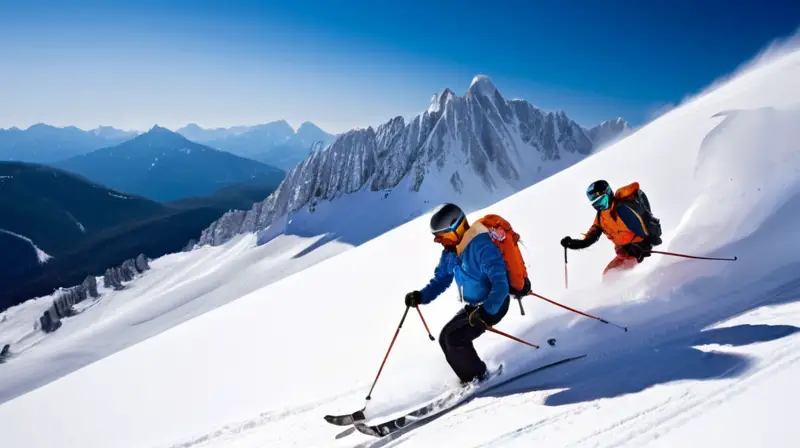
(601, 202)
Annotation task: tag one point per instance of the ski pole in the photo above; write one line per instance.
(566, 277)
(521, 309)
(369, 395)
(513, 338)
(425, 324)
(692, 256)
(579, 312)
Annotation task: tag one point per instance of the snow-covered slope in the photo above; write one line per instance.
(474, 149)
(710, 357)
(179, 287)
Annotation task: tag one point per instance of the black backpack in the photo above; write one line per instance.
(642, 206)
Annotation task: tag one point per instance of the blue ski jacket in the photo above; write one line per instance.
(478, 268)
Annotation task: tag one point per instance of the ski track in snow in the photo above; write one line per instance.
(211, 332)
(234, 429)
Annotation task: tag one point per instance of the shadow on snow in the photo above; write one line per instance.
(649, 366)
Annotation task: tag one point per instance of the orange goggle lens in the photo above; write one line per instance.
(447, 238)
(451, 236)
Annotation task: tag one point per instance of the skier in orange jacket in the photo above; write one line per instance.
(625, 218)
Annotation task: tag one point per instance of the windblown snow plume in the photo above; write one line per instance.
(41, 255)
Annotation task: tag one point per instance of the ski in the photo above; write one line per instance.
(447, 403)
(346, 419)
(358, 416)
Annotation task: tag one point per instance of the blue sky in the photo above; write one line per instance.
(353, 64)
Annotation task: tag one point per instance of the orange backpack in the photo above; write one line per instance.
(507, 240)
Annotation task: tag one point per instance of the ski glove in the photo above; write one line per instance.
(413, 299)
(653, 240)
(526, 288)
(638, 250)
(569, 243)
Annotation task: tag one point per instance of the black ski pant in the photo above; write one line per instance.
(456, 341)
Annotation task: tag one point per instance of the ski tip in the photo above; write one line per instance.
(345, 419)
(346, 432)
(338, 420)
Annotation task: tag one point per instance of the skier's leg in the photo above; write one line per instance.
(456, 342)
(451, 339)
(621, 262)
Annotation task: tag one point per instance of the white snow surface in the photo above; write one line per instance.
(177, 288)
(237, 346)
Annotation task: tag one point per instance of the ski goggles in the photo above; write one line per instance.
(450, 234)
(600, 201)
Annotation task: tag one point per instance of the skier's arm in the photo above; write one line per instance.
(591, 237)
(493, 265)
(442, 277)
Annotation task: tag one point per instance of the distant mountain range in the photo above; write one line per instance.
(473, 149)
(113, 134)
(165, 166)
(44, 143)
(274, 143)
(57, 227)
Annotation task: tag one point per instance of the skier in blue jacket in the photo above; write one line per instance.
(476, 263)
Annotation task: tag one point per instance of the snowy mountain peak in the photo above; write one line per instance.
(481, 84)
(471, 148)
(156, 128)
(308, 126)
(439, 100)
(308, 133)
(156, 136)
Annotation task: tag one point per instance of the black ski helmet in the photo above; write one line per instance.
(600, 194)
(447, 217)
